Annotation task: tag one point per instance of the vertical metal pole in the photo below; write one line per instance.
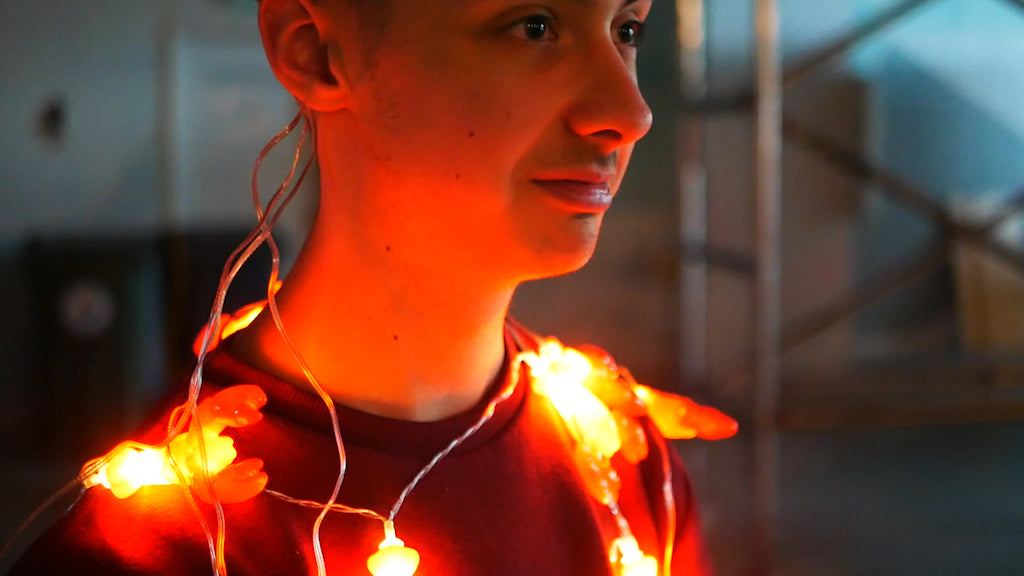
(166, 76)
(768, 289)
(690, 31)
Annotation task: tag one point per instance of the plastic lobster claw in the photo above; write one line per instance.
(236, 483)
(237, 406)
(678, 417)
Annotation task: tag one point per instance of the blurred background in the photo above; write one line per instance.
(820, 235)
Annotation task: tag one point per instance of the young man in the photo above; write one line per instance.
(464, 146)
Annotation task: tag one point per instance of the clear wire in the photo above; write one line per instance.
(331, 505)
(487, 414)
(77, 482)
(309, 127)
(187, 411)
(668, 500)
(334, 507)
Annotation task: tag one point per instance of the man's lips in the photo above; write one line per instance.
(582, 192)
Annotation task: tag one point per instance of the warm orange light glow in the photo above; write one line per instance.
(712, 424)
(667, 411)
(605, 382)
(558, 373)
(642, 566)
(231, 323)
(599, 478)
(131, 466)
(393, 558)
(630, 560)
(681, 418)
(555, 366)
(634, 439)
(601, 404)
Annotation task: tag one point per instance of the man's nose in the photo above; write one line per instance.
(609, 107)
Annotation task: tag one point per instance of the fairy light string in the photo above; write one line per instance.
(198, 475)
(599, 403)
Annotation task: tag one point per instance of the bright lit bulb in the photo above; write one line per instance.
(594, 424)
(393, 558)
(193, 455)
(643, 566)
(241, 319)
(558, 373)
(131, 468)
(668, 412)
(680, 418)
(631, 561)
(555, 365)
(231, 323)
(599, 478)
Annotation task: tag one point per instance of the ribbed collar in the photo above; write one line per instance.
(306, 409)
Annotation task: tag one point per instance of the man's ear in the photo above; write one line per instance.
(298, 54)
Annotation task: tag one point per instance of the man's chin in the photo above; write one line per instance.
(559, 263)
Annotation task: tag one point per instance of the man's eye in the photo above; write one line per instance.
(536, 27)
(631, 33)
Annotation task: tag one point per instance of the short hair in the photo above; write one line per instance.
(374, 13)
(373, 16)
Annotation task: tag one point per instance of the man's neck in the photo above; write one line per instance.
(376, 341)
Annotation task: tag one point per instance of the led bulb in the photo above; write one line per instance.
(599, 478)
(557, 366)
(668, 412)
(132, 468)
(558, 374)
(680, 418)
(642, 566)
(633, 437)
(631, 561)
(393, 558)
(190, 456)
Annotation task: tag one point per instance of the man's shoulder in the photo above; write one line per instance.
(103, 535)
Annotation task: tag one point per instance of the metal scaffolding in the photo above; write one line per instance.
(773, 129)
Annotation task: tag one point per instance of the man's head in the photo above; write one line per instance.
(490, 135)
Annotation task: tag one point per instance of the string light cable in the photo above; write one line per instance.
(317, 387)
(559, 373)
(161, 463)
(267, 219)
(599, 403)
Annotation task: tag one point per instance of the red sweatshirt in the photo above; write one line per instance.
(508, 501)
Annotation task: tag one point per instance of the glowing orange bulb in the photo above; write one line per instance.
(241, 319)
(131, 468)
(231, 323)
(668, 412)
(643, 566)
(634, 439)
(606, 382)
(393, 558)
(558, 373)
(589, 419)
(712, 424)
(631, 561)
(678, 417)
(195, 453)
(600, 480)
(554, 366)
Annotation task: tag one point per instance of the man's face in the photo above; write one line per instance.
(493, 134)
